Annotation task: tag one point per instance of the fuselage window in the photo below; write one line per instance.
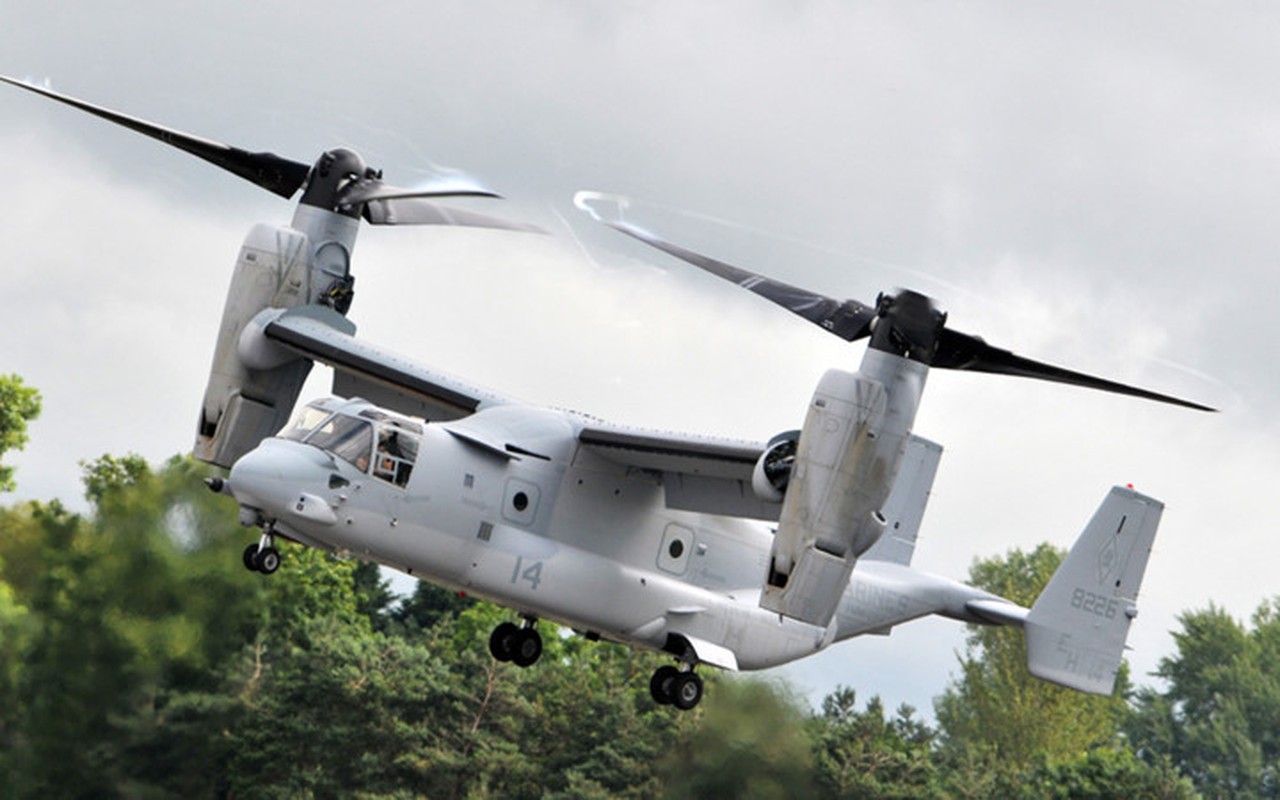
(396, 454)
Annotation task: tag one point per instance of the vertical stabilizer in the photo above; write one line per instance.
(1077, 628)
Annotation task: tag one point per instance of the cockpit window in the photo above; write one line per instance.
(304, 422)
(347, 438)
(397, 451)
(353, 438)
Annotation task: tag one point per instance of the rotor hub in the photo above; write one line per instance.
(908, 324)
(332, 173)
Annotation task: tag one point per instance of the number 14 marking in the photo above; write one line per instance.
(531, 573)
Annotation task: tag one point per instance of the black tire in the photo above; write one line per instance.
(268, 560)
(526, 647)
(662, 686)
(687, 691)
(502, 641)
(251, 558)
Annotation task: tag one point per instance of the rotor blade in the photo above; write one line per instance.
(849, 320)
(272, 172)
(963, 351)
(417, 211)
(368, 189)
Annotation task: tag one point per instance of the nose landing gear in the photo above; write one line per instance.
(262, 557)
(519, 644)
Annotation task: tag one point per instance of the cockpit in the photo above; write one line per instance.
(374, 441)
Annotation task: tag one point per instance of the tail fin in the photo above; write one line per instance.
(1077, 628)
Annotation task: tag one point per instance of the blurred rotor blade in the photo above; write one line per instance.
(417, 211)
(369, 189)
(963, 351)
(850, 320)
(272, 172)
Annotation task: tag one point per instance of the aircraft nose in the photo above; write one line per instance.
(277, 476)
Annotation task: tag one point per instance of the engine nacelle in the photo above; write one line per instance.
(772, 473)
(844, 467)
(244, 405)
(253, 386)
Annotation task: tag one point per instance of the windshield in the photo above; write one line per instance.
(347, 438)
(304, 422)
(352, 438)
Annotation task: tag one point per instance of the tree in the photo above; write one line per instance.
(862, 754)
(15, 634)
(130, 608)
(1218, 718)
(1103, 772)
(428, 605)
(108, 477)
(996, 715)
(19, 405)
(750, 743)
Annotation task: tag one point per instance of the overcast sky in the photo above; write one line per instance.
(1091, 184)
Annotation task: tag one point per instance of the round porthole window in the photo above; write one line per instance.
(676, 548)
(520, 501)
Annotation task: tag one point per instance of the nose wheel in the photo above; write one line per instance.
(519, 644)
(262, 557)
(676, 686)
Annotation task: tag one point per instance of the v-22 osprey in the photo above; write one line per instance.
(740, 555)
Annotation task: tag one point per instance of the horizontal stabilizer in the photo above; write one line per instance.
(1077, 628)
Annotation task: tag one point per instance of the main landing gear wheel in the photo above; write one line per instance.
(251, 558)
(662, 685)
(500, 641)
(671, 687)
(520, 646)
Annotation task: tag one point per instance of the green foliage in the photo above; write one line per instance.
(1103, 772)
(348, 712)
(125, 606)
(374, 597)
(751, 743)
(108, 478)
(863, 754)
(16, 629)
(428, 606)
(1218, 718)
(19, 404)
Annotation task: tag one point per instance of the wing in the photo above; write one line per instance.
(699, 473)
(372, 372)
(904, 508)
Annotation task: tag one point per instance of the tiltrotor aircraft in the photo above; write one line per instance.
(740, 555)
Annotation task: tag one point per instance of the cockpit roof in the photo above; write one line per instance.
(358, 407)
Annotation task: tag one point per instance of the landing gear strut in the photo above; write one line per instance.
(519, 644)
(676, 686)
(262, 557)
